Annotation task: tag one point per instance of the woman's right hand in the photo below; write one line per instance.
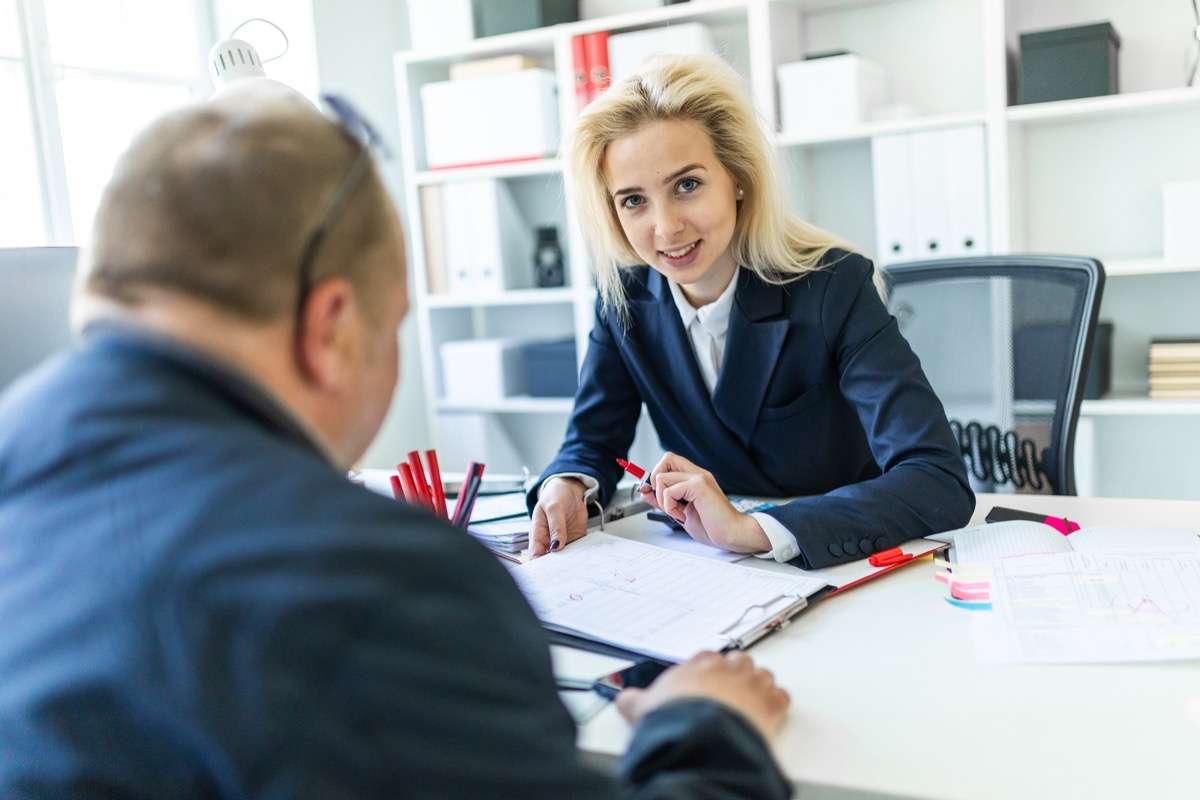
(560, 516)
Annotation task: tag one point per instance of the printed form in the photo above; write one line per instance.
(1093, 607)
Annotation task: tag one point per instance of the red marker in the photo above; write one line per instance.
(888, 558)
(633, 469)
(641, 474)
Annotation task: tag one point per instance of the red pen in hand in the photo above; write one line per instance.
(641, 474)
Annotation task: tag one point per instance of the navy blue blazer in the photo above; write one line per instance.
(196, 604)
(819, 396)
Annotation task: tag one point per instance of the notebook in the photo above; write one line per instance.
(1021, 538)
(656, 602)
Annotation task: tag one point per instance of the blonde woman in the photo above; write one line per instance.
(762, 351)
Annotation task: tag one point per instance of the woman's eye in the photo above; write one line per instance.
(689, 185)
(633, 201)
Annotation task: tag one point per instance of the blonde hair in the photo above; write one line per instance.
(767, 238)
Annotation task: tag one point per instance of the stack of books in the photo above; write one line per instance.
(1175, 369)
(504, 535)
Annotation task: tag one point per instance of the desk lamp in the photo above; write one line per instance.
(235, 59)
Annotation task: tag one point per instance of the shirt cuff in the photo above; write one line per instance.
(591, 484)
(783, 542)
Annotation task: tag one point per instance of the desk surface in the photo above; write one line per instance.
(888, 697)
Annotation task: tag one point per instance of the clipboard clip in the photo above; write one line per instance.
(765, 627)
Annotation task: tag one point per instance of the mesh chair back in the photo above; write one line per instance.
(1005, 341)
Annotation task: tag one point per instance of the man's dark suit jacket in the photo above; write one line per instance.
(195, 604)
(819, 395)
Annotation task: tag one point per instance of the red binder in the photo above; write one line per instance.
(580, 65)
(596, 51)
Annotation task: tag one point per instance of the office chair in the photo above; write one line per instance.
(35, 299)
(1005, 341)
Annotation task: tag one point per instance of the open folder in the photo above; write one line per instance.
(656, 602)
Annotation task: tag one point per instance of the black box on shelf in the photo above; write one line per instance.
(493, 17)
(550, 368)
(1066, 63)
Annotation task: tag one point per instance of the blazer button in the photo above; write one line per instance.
(865, 546)
(835, 550)
(850, 547)
(881, 543)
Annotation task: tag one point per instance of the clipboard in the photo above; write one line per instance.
(647, 601)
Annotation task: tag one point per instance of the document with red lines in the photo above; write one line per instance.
(1092, 607)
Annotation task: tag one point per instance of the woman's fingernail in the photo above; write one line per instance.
(554, 544)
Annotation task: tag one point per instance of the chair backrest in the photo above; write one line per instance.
(35, 299)
(1005, 341)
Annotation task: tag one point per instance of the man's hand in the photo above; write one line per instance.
(731, 680)
(559, 518)
(691, 495)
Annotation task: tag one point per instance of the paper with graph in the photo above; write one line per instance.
(655, 601)
(1093, 607)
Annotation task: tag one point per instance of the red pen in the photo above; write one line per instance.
(641, 474)
(408, 485)
(439, 491)
(634, 470)
(423, 491)
(462, 492)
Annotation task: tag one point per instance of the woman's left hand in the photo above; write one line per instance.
(691, 496)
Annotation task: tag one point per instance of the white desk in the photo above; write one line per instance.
(888, 698)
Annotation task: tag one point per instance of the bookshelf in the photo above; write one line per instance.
(1078, 176)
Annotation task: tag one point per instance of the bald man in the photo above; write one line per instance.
(196, 603)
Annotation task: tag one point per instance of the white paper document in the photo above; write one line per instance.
(649, 600)
(660, 534)
(1093, 607)
(1020, 538)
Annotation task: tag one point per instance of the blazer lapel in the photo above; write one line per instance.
(675, 356)
(752, 347)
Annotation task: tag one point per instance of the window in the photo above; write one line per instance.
(21, 210)
(78, 78)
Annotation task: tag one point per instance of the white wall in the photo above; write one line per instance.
(355, 45)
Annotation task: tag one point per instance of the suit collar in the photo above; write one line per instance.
(253, 398)
(757, 299)
(757, 330)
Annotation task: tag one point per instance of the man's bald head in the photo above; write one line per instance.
(216, 200)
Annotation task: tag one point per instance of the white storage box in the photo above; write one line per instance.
(1181, 223)
(509, 117)
(827, 93)
(487, 245)
(475, 370)
(627, 51)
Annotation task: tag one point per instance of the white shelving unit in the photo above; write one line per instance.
(1076, 176)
